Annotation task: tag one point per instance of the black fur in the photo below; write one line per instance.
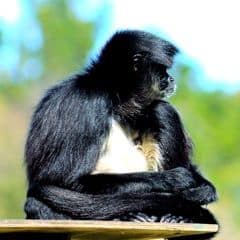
(72, 121)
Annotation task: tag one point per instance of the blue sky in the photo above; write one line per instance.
(207, 32)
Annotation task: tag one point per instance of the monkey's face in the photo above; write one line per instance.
(153, 77)
(162, 84)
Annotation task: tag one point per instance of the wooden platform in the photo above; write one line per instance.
(96, 230)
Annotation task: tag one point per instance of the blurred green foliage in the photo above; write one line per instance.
(212, 121)
(211, 118)
(67, 40)
(66, 44)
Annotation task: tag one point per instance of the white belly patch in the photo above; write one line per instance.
(121, 155)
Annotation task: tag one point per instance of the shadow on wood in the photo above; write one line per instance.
(93, 230)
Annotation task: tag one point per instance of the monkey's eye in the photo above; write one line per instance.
(161, 71)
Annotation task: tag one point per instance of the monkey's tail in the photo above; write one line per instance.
(106, 206)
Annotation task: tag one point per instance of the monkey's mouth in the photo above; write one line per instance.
(159, 91)
(169, 90)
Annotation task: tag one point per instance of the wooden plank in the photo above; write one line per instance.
(89, 230)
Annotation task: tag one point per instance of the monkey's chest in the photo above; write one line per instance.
(121, 154)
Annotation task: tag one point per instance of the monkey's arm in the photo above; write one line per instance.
(176, 148)
(204, 193)
(171, 181)
(68, 130)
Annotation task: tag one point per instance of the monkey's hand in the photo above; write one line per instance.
(175, 180)
(166, 218)
(137, 217)
(201, 195)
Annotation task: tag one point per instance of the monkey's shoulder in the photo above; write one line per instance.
(73, 96)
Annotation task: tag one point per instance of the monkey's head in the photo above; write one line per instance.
(134, 64)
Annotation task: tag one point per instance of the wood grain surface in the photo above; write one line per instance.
(91, 230)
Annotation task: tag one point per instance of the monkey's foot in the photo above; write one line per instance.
(142, 217)
(137, 217)
(170, 218)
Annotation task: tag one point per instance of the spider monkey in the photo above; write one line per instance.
(105, 144)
